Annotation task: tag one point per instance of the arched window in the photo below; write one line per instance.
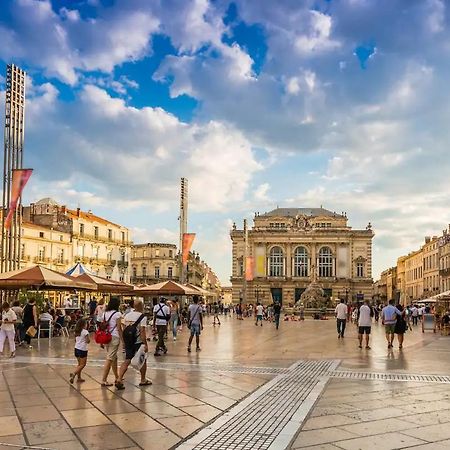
(276, 262)
(134, 272)
(325, 262)
(301, 262)
(144, 271)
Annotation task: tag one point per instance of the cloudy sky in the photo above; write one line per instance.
(340, 103)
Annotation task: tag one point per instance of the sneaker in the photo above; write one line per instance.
(189, 349)
(198, 349)
(174, 338)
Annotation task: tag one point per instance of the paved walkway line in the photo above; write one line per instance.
(203, 367)
(270, 417)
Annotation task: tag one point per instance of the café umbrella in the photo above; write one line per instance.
(41, 278)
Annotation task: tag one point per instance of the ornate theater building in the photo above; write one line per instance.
(287, 246)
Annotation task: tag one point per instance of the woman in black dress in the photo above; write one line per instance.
(30, 318)
(400, 326)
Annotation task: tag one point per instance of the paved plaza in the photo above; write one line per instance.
(249, 388)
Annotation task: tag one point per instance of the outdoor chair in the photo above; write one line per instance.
(63, 330)
(45, 326)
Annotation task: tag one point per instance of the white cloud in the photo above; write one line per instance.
(261, 192)
(141, 150)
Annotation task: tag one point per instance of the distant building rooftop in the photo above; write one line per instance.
(292, 212)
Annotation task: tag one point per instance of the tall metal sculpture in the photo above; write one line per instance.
(183, 224)
(12, 159)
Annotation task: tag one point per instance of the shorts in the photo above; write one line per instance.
(259, 317)
(132, 350)
(80, 353)
(364, 330)
(112, 348)
(195, 329)
(390, 328)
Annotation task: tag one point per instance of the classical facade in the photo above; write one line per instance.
(414, 275)
(387, 285)
(154, 262)
(430, 253)
(55, 233)
(291, 246)
(444, 261)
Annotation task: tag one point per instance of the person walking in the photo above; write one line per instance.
(341, 312)
(174, 318)
(277, 314)
(195, 323)
(414, 314)
(365, 323)
(30, 319)
(161, 317)
(20, 333)
(400, 326)
(134, 325)
(259, 314)
(216, 314)
(389, 318)
(112, 318)
(7, 330)
(100, 311)
(82, 340)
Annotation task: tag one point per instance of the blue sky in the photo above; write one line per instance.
(340, 103)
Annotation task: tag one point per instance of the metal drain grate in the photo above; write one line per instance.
(270, 416)
(374, 376)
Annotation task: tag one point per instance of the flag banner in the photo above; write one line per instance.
(249, 268)
(188, 239)
(20, 178)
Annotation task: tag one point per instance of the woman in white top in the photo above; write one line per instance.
(100, 310)
(114, 318)
(9, 318)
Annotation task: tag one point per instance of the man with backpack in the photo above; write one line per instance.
(161, 317)
(195, 323)
(134, 336)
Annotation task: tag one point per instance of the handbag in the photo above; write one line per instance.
(139, 358)
(103, 336)
(31, 331)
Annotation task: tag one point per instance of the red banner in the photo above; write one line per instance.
(249, 268)
(188, 239)
(19, 180)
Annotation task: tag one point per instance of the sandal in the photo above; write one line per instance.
(106, 384)
(119, 386)
(146, 383)
(71, 378)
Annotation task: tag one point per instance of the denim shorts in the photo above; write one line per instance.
(195, 329)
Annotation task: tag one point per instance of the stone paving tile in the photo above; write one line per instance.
(68, 445)
(333, 420)
(10, 425)
(31, 400)
(48, 432)
(321, 447)
(87, 417)
(430, 433)
(16, 440)
(73, 402)
(7, 409)
(138, 396)
(179, 400)
(158, 410)
(426, 407)
(183, 426)
(377, 414)
(387, 441)
(334, 409)
(134, 422)
(99, 394)
(434, 446)
(220, 402)
(324, 436)
(104, 437)
(205, 413)
(431, 418)
(378, 426)
(38, 413)
(114, 406)
(155, 440)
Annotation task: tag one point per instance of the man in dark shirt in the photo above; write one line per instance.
(277, 313)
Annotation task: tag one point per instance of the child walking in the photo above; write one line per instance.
(81, 352)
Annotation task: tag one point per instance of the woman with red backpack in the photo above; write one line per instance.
(109, 334)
